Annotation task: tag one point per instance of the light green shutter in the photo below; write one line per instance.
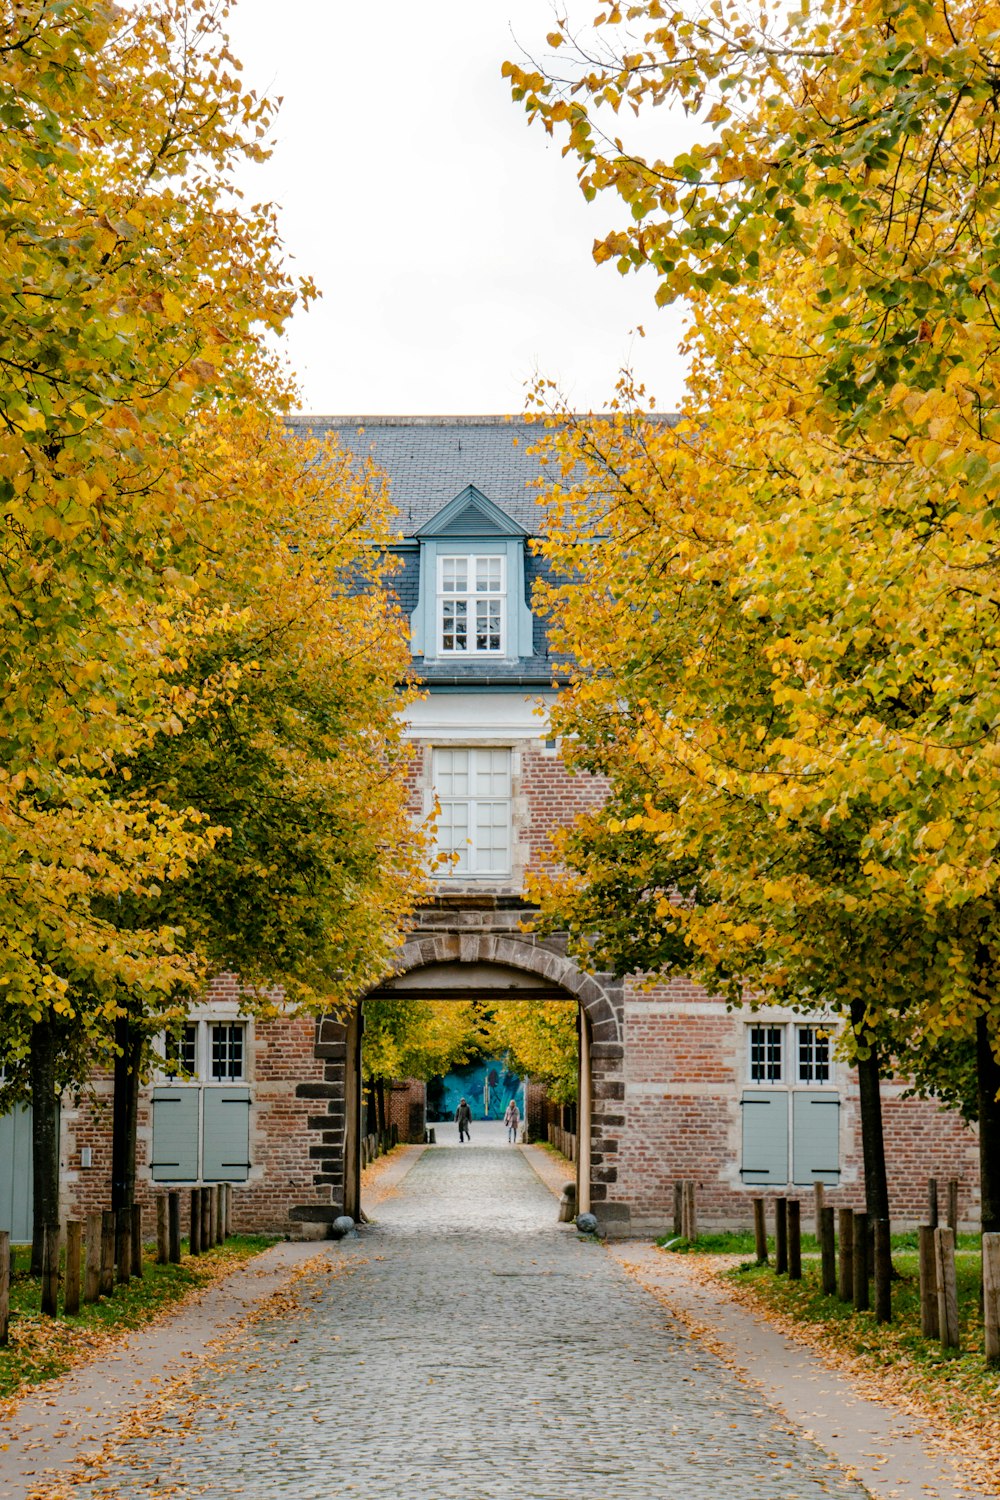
(765, 1136)
(16, 1186)
(816, 1137)
(175, 1135)
(226, 1148)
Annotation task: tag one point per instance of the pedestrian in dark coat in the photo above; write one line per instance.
(463, 1119)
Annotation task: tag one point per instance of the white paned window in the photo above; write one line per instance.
(472, 604)
(206, 1052)
(227, 1052)
(181, 1051)
(473, 789)
(813, 1047)
(765, 1053)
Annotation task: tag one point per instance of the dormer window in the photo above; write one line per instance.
(471, 603)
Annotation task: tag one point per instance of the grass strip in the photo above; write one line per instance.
(43, 1348)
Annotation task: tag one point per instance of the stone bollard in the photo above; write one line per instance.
(341, 1227)
(567, 1204)
(586, 1223)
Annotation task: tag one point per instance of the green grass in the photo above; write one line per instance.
(741, 1242)
(41, 1348)
(957, 1384)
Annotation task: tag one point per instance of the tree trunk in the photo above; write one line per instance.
(125, 1112)
(380, 1104)
(872, 1139)
(44, 1137)
(988, 1085)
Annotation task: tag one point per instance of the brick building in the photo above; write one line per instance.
(673, 1085)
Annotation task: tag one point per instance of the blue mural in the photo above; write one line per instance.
(488, 1085)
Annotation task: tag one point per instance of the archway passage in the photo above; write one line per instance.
(475, 950)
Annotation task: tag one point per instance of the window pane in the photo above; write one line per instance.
(814, 1055)
(765, 1054)
(182, 1050)
(489, 575)
(454, 575)
(492, 773)
(227, 1053)
(488, 624)
(454, 625)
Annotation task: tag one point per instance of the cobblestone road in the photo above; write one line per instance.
(467, 1348)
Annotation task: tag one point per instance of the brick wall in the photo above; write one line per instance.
(406, 1104)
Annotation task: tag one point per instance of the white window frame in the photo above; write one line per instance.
(475, 860)
(201, 1074)
(790, 1068)
(472, 597)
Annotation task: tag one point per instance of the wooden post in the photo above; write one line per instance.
(860, 1246)
(991, 1296)
(760, 1231)
(123, 1244)
(794, 1240)
(107, 1252)
(50, 1270)
(220, 1214)
(136, 1227)
(690, 1212)
(828, 1251)
(229, 1209)
(174, 1226)
(845, 1238)
(932, 1203)
(4, 1288)
(194, 1239)
(953, 1205)
(207, 1237)
(74, 1245)
(929, 1326)
(780, 1236)
(678, 1209)
(162, 1231)
(819, 1203)
(883, 1272)
(947, 1291)
(92, 1279)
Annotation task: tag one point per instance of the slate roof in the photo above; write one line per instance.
(429, 460)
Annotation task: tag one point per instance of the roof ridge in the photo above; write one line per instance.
(303, 419)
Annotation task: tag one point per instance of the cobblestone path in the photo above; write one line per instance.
(468, 1348)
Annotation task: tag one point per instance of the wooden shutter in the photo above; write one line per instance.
(816, 1137)
(175, 1134)
(226, 1138)
(765, 1136)
(16, 1186)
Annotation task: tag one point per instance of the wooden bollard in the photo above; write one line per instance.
(929, 1325)
(991, 1297)
(947, 1290)
(123, 1244)
(50, 1270)
(174, 1227)
(780, 1236)
(862, 1300)
(883, 1272)
(678, 1209)
(760, 1231)
(207, 1230)
(828, 1251)
(162, 1231)
(689, 1217)
(74, 1246)
(107, 1252)
(794, 1240)
(4, 1288)
(136, 1238)
(220, 1214)
(932, 1202)
(92, 1275)
(229, 1209)
(845, 1244)
(819, 1203)
(194, 1238)
(953, 1205)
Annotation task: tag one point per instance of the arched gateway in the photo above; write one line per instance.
(475, 949)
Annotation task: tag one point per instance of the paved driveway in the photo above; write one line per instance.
(468, 1348)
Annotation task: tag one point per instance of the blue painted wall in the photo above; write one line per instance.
(477, 1082)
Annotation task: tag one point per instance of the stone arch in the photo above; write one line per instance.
(599, 997)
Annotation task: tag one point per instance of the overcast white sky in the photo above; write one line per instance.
(450, 240)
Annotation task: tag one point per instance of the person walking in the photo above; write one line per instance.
(463, 1119)
(512, 1120)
